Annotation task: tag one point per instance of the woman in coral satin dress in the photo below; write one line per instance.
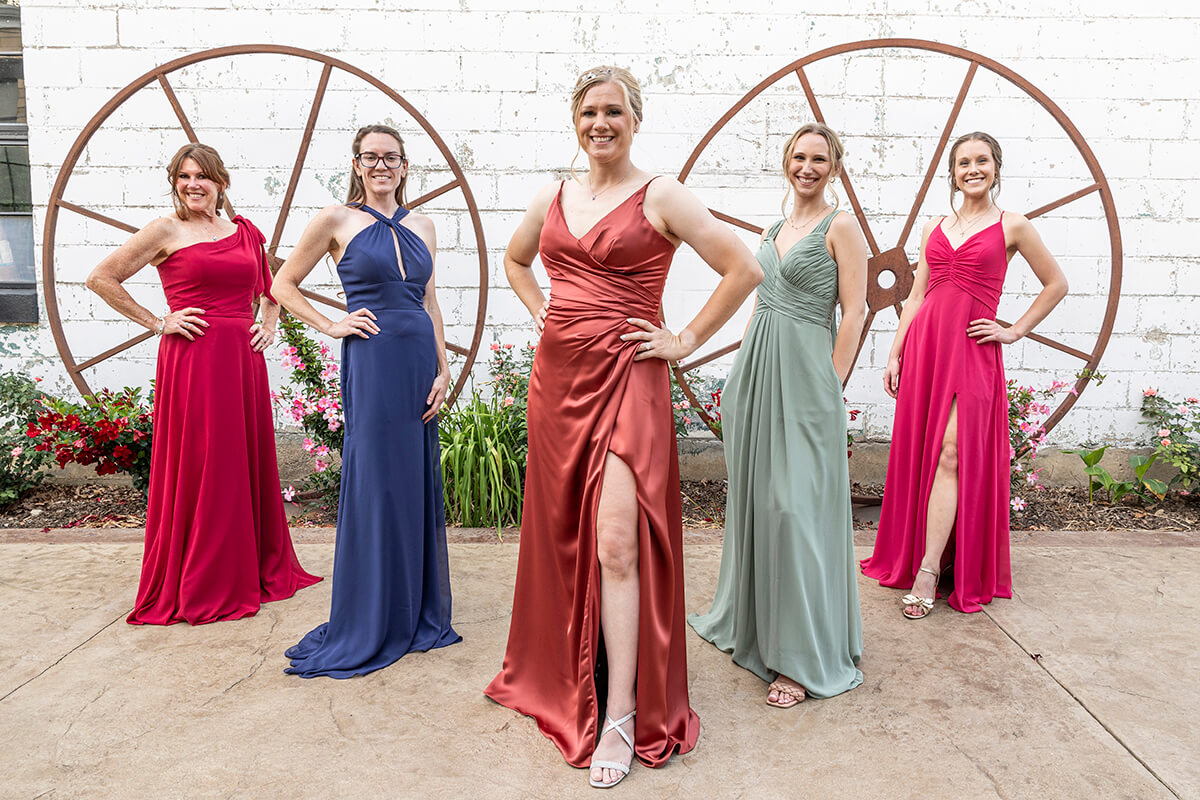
(217, 540)
(600, 574)
(948, 467)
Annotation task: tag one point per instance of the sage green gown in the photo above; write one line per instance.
(787, 596)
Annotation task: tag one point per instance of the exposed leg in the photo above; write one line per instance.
(943, 508)
(617, 551)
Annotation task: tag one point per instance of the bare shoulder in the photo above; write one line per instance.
(845, 225)
(664, 188)
(543, 198)
(420, 223)
(1014, 223)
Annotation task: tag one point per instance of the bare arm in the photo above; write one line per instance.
(1021, 236)
(522, 249)
(916, 296)
(144, 247)
(317, 240)
(685, 217)
(849, 250)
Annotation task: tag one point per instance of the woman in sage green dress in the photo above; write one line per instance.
(786, 604)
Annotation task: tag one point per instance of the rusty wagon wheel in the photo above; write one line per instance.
(67, 256)
(894, 265)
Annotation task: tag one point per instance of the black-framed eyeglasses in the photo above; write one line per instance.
(391, 160)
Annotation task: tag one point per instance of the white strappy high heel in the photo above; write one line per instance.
(610, 725)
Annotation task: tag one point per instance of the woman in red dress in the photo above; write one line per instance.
(948, 467)
(600, 574)
(217, 540)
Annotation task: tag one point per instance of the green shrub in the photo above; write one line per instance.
(22, 466)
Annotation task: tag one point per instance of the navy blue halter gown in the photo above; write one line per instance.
(391, 583)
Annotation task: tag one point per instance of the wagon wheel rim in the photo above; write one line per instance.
(159, 75)
(895, 260)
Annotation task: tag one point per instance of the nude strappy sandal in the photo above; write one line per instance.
(925, 604)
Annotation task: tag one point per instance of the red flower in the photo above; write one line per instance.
(106, 468)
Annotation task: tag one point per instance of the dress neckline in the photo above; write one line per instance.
(222, 240)
(599, 222)
(781, 257)
(969, 238)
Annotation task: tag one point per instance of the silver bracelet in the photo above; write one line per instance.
(162, 324)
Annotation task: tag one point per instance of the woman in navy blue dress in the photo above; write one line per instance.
(391, 584)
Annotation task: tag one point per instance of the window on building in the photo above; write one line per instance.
(18, 283)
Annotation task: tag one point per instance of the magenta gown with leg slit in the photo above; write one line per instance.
(940, 363)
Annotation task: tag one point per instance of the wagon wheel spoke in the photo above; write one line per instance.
(87, 212)
(438, 192)
(845, 176)
(741, 223)
(862, 339)
(937, 154)
(1061, 347)
(112, 351)
(186, 124)
(1062, 201)
(298, 167)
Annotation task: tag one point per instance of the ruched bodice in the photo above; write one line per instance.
(370, 274)
(977, 267)
(614, 270)
(804, 283)
(218, 276)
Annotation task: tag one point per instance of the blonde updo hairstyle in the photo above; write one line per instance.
(210, 164)
(836, 154)
(358, 193)
(631, 90)
(997, 156)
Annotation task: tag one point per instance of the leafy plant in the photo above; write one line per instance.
(313, 400)
(483, 444)
(1028, 409)
(1176, 430)
(112, 430)
(22, 466)
(1100, 479)
(687, 419)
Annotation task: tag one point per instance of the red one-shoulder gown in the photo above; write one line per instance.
(587, 397)
(217, 539)
(941, 363)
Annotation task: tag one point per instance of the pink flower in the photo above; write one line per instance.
(1184, 410)
(1165, 442)
(1192, 400)
(321, 452)
(1163, 433)
(289, 493)
(1031, 478)
(320, 466)
(308, 445)
(1018, 504)
(334, 424)
(495, 347)
(508, 401)
(37, 380)
(1150, 392)
(1184, 493)
(16, 451)
(686, 404)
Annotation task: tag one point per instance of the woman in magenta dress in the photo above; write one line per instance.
(948, 467)
(600, 574)
(217, 540)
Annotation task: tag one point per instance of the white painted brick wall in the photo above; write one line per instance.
(492, 77)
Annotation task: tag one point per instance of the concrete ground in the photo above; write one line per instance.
(1084, 685)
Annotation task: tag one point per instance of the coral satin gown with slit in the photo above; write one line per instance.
(587, 398)
(939, 364)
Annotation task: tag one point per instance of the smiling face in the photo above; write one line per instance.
(380, 178)
(197, 190)
(810, 166)
(974, 168)
(605, 126)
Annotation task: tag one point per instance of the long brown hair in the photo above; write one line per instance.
(210, 163)
(358, 192)
(997, 156)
